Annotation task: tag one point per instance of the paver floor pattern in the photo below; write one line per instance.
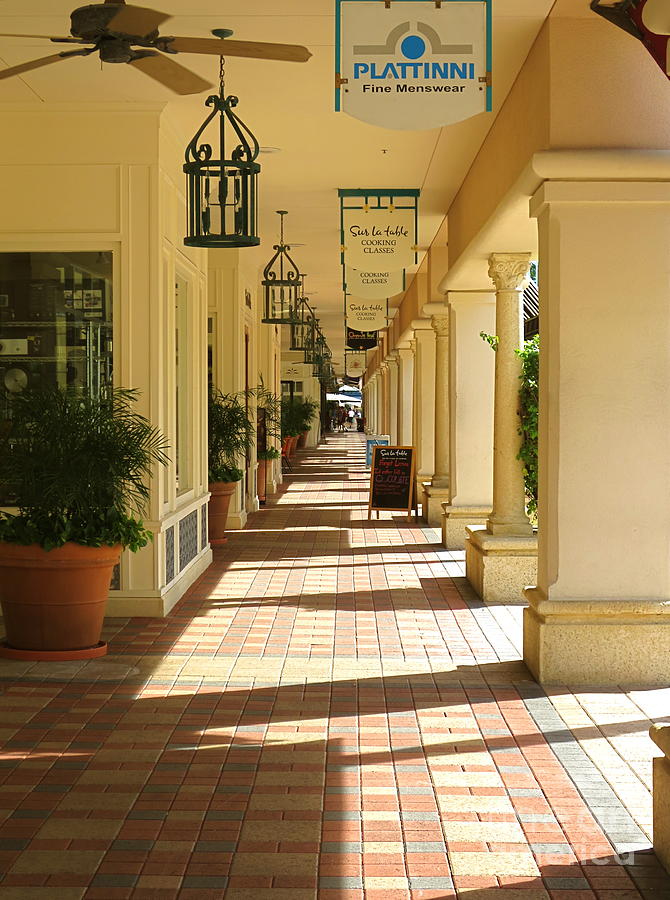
(329, 713)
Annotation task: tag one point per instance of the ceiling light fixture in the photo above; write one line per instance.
(222, 194)
(281, 284)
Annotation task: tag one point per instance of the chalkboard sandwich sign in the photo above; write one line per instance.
(392, 479)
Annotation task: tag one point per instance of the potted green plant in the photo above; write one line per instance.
(268, 427)
(291, 425)
(307, 412)
(76, 467)
(230, 437)
(264, 457)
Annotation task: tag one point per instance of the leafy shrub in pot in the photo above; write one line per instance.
(77, 469)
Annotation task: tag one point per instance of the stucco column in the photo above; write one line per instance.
(509, 272)
(424, 402)
(600, 612)
(384, 398)
(501, 559)
(405, 392)
(392, 366)
(437, 492)
(379, 400)
(472, 373)
(371, 410)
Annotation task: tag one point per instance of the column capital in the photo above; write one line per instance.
(421, 325)
(440, 326)
(509, 271)
(412, 345)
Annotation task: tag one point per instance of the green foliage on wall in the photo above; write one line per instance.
(528, 413)
(528, 417)
(491, 339)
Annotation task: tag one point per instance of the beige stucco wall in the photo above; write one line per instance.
(585, 84)
(112, 182)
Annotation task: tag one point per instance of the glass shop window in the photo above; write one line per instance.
(55, 323)
(183, 388)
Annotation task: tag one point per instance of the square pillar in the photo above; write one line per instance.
(383, 414)
(405, 392)
(424, 402)
(472, 374)
(438, 491)
(660, 735)
(392, 364)
(600, 613)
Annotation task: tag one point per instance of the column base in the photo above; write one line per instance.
(236, 520)
(498, 566)
(156, 604)
(455, 519)
(597, 641)
(433, 500)
(661, 791)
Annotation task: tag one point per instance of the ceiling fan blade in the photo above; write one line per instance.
(137, 20)
(252, 49)
(33, 64)
(656, 17)
(171, 74)
(44, 37)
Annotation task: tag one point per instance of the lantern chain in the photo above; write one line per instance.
(222, 76)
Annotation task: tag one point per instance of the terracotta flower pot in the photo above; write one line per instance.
(261, 479)
(219, 502)
(302, 440)
(293, 444)
(54, 600)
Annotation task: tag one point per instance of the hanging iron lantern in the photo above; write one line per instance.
(320, 354)
(301, 331)
(314, 346)
(222, 194)
(281, 284)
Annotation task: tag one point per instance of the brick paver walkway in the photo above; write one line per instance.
(329, 713)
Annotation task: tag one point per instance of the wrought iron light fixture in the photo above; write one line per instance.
(222, 194)
(302, 330)
(281, 284)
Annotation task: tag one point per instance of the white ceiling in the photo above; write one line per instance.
(288, 106)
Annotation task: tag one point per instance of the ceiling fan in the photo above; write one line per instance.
(115, 29)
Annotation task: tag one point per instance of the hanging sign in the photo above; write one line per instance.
(355, 363)
(413, 64)
(379, 238)
(361, 340)
(366, 315)
(377, 285)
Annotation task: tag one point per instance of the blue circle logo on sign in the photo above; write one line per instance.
(413, 47)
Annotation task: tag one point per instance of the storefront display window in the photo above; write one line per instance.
(55, 323)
